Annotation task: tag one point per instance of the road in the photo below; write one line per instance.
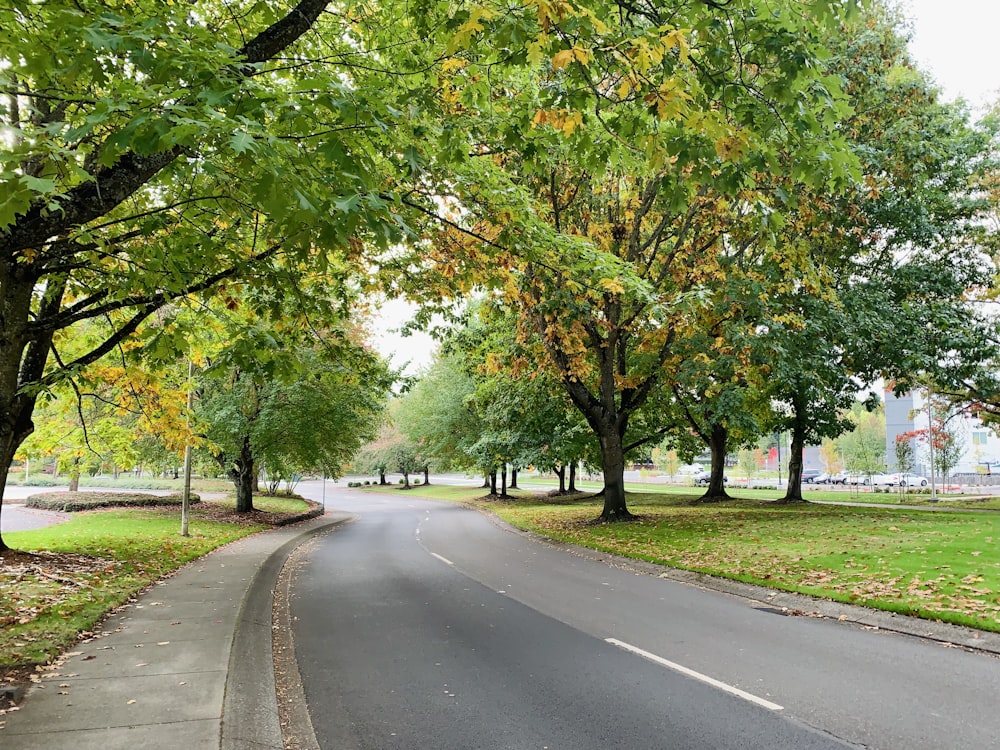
(424, 624)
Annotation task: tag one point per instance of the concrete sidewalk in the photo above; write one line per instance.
(188, 664)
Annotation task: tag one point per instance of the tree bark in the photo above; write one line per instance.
(503, 481)
(572, 476)
(74, 476)
(493, 482)
(561, 473)
(793, 494)
(4, 469)
(241, 472)
(513, 479)
(613, 465)
(23, 356)
(427, 475)
(717, 443)
(381, 477)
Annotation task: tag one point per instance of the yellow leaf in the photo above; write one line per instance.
(535, 54)
(562, 59)
(614, 286)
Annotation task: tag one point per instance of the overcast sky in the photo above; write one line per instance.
(954, 40)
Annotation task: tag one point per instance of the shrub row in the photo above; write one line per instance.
(368, 483)
(69, 502)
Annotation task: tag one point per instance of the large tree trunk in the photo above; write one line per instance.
(513, 479)
(4, 469)
(503, 481)
(242, 473)
(717, 443)
(74, 476)
(572, 476)
(427, 475)
(561, 473)
(493, 482)
(613, 465)
(794, 492)
(23, 356)
(381, 477)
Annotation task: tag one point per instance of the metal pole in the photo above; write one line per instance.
(186, 495)
(779, 460)
(930, 442)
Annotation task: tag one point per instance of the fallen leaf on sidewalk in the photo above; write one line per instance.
(130, 702)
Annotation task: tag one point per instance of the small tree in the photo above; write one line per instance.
(407, 460)
(669, 461)
(905, 457)
(750, 462)
(864, 447)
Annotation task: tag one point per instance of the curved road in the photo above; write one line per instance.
(426, 625)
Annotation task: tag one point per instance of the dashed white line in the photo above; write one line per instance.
(445, 560)
(696, 675)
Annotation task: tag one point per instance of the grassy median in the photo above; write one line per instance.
(59, 582)
(935, 563)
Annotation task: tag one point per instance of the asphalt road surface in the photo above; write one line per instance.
(426, 625)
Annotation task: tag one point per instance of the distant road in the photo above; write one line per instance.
(424, 624)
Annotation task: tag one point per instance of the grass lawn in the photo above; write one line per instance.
(60, 581)
(935, 564)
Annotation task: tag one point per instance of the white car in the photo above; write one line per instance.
(910, 480)
(878, 479)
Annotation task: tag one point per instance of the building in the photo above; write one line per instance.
(909, 412)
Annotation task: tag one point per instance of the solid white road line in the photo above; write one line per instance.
(696, 675)
(445, 560)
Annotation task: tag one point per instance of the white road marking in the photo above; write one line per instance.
(445, 560)
(696, 675)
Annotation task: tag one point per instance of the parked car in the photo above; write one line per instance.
(690, 470)
(910, 480)
(878, 479)
(703, 477)
(838, 477)
(809, 475)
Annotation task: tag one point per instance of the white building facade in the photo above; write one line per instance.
(909, 412)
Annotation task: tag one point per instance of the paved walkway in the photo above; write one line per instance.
(188, 664)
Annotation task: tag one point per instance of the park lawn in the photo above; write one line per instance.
(78, 571)
(934, 564)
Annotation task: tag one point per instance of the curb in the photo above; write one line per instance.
(250, 706)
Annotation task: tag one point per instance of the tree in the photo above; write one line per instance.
(617, 165)
(941, 438)
(750, 462)
(884, 263)
(438, 415)
(316, 416)
(905, 457)
(156, 153)
(864, 447)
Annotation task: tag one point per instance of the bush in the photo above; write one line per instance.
(69, 502)
(36, 480)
